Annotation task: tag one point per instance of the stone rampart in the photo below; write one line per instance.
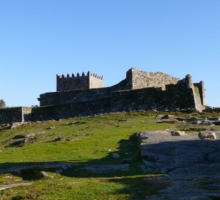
(175, 97)
(76, 96)
(134, 80)
(138, 91)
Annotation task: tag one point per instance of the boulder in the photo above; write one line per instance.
(30, 138)
(216, 123)
(177, 133)
(192, 119)
(210, 135)
(181, 119)
(168, 117)
(214, 118)
(159, 117)
(57, 139)
(206, 123)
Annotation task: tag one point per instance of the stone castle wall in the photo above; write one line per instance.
(156, 91)
(16, 114)
(201, 88)
(76, 96)
(175, 97)
(79, 82)
(95, 81)
(135, 79)
(140, 79)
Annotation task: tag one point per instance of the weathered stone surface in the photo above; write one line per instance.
(159, 117)
(168, 117)
(214, 118)
(206, 123)
(177, 133)
(45, 175)
(192, 119)
(207, 135)
(79, 82)
(30, 138)
(181, 119)
(188, 161)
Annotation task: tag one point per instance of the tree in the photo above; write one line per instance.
(2, 103)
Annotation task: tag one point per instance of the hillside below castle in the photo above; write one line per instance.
(82, 95)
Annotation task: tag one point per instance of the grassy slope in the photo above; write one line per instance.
(85, 141)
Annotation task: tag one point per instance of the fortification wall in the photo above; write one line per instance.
(201, 88)
(26, 114)
(196, 88)
(56, 98)
(9, 115)
(138, 91)
(175, 97)
(95, 81)
(16, 114)
(140, 79)
(79, 82)
(134, 80)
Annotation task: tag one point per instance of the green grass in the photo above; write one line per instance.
(85, 141)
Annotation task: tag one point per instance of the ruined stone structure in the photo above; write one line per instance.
(85, 95)
(73, 90)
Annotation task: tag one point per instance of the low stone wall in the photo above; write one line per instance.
(16, 114)
(9, 115)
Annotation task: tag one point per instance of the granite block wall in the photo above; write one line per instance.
(175, 97)
(138, 91)
(79, 82)
(16, 114)
(140, 79)
(76, 96)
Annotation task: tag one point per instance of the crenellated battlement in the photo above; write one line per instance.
(78, 75)
(79, 81)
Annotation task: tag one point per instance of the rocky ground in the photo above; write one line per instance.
(190, 163)
(184, 161)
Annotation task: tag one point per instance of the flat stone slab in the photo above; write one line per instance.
(192, 164)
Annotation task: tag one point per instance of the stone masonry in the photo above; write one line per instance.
(141, 79)
(79, 82)
(85, 95)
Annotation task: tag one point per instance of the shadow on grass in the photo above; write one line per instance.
(133, 179)
(134, 184)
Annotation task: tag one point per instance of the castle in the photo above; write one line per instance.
(83, 95)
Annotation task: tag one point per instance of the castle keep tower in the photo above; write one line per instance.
(78, 82)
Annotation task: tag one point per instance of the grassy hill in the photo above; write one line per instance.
(78, 142)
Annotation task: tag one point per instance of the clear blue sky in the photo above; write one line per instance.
(42, 38)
